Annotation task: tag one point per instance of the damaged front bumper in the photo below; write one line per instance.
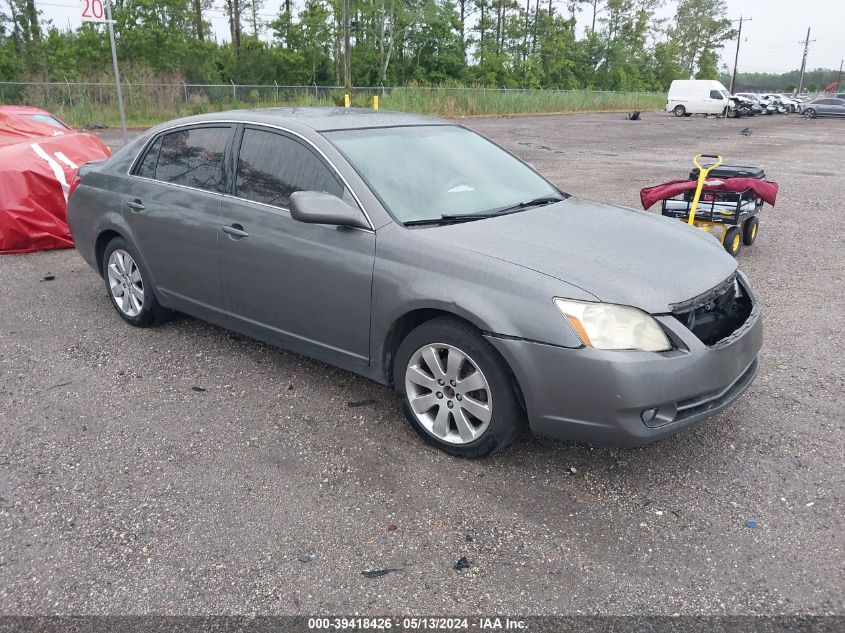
(633, 397)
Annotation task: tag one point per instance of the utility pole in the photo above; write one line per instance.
(116, 71)
(347, 60)
(839, 78)
(804, 61)
(736, 58)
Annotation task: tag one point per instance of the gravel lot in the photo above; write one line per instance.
(186, 470)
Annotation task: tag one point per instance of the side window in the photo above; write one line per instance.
(147, 167)
(193, 157)
(715, 94)
(272, 166)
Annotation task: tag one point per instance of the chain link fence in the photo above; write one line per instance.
(92, 103)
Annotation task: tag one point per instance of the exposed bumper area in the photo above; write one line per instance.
(632, 398)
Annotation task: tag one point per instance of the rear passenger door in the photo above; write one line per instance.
(172, 205)
(303, 286)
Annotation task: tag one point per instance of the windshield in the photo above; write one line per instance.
(46, 118)
(425, 172)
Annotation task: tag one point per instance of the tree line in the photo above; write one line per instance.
(501, 43)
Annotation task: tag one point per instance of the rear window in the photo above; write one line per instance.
(191, 157)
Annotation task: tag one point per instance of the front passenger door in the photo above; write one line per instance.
(304, 286)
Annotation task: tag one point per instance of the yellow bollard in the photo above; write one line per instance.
(346, 100)
(375, 102)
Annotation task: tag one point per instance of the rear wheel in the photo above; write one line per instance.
(749, 231)
(126, 284)
(679, 110)
(733, 240)
(456, 390)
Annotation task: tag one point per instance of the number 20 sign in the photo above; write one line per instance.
(93, 10)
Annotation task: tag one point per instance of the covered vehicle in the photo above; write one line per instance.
(39, 156)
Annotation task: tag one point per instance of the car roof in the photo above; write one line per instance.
(318, 119)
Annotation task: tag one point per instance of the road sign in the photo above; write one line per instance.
(93, 11)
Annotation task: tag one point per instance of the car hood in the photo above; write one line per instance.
(616, 254)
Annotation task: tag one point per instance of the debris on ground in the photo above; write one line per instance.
(751, 525)
(377, 573)
(468, 538)
(303, 558)
(49, 277)
(462, 564)
(573, 470)
(633, 116)
(746, 131)
(198, 388)
(391, 527)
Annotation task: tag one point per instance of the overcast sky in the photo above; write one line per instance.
(770, 42)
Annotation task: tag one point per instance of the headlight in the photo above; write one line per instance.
(609, 326)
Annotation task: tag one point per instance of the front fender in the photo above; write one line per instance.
(497, 297)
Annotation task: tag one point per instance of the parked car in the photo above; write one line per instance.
(697, 96)
(789, 105)
(744, 106)
(415, 252)
(766, 105)
(826, 106)
(35, 114)
(39, 155)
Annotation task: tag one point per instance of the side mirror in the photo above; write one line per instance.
(315, 207)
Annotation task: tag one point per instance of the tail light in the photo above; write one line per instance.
(74, 184)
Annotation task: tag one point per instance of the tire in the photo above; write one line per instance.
(809, 113)
(733, 240)
(679, 110)
(749, 230)
(732, 114)
(125, 278)
(462, 422)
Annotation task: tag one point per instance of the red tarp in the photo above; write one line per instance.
(37, 165)
(767, 190)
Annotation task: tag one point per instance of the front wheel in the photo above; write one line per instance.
(457, 391)
(126, 283)
(809, 113)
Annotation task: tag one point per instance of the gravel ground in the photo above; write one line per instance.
(186, 470)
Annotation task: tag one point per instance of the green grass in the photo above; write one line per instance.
(148, 106)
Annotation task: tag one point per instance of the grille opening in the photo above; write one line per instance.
(722, 315)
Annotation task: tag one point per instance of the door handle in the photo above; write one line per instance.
(236, 231)
(136, 205)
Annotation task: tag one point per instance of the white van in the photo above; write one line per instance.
(697, 96)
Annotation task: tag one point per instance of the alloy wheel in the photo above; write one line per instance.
(448, 393)
(125, 283)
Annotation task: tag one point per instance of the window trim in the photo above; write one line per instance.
(230, 150)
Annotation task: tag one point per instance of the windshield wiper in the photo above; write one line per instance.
(454, 218)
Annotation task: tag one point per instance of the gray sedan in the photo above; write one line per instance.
(827, 106)
(417, 253)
